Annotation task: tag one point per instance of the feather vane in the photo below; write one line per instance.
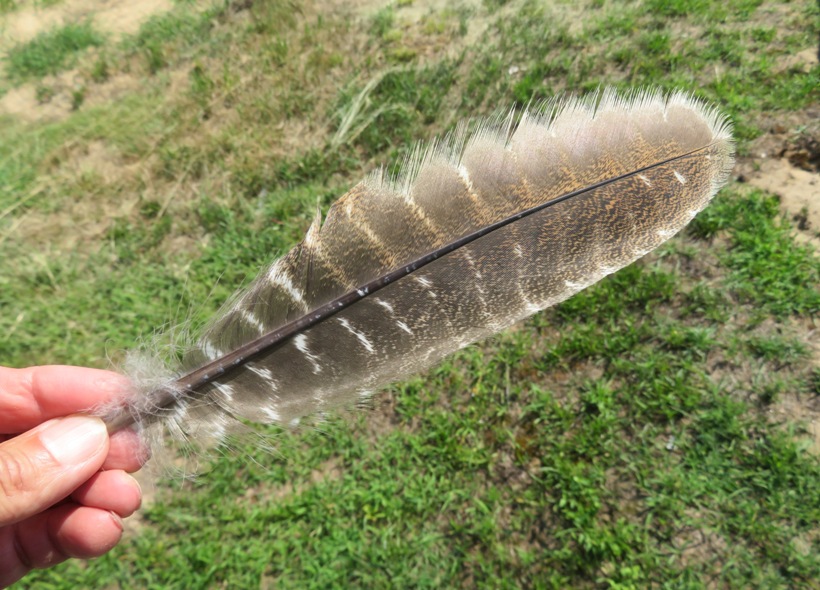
(482, 230)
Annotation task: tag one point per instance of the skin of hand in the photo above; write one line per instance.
(64, 483)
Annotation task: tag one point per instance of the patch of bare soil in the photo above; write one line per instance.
(330, 470)
(802, 60)
(701, 546)
(84, 218)
(116, 17)
(382, 418)
(795, 409)
(799, 192)
(97, 158)
(428, 27)
(24, 103)
(803, 412)
(786, 162)
(792, 408)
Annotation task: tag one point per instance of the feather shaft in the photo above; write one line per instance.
(222, 365)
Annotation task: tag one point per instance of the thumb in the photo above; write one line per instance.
(41, 467)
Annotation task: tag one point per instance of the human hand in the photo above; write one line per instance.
(64, 486)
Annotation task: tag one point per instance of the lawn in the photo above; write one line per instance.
(658, 430)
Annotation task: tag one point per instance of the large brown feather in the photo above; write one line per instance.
(482, 231)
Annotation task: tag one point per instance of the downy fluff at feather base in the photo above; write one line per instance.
(481, 230)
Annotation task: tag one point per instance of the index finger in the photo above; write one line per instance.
(35, 394)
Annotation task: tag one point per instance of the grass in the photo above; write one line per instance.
(51, 52)
(767, 268)
(649, 432)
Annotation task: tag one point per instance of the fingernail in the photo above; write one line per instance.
(117, 520)
(72, 440)
(137, 486)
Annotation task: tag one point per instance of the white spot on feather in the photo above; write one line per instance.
(226, 391)
(463, 343)
(252, 320)
(385, 305)
(426, 283)
(263, 372)
(271, 414)
(404, 327)
(478, 276)
(359, 335)
(301, 344)
(360, 223)
(280, 279)
(680, 177)
(666, 233)
(646, 181)
(209, 350)
(464, 174)
(217, 430)
(529, 306)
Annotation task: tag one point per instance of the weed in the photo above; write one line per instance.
(100, 70)
(406, 99)
(777, 350)
(51, 51)
(272, 16)
(77, 97)
(382, 22)
(167, 33)
(202, 87)
(493, 5)
(44, 93)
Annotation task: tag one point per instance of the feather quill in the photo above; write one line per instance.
(481, 230)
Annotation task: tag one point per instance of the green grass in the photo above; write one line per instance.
(767, 268)
(162, 33)
(648, 432)
(721, 57)
(51, 52)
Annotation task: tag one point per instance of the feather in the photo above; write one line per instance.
(482, 230)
